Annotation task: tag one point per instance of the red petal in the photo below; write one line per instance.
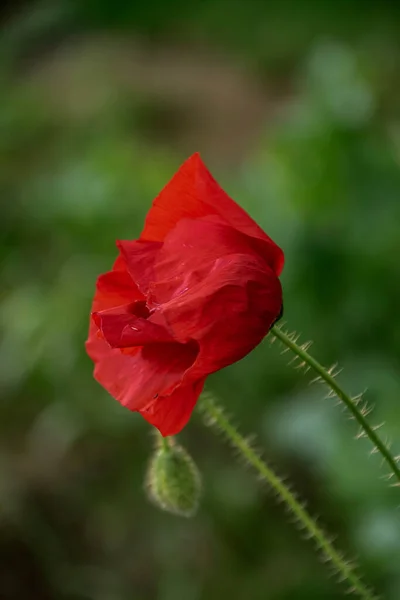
(139, 257)
(170, 414)
(122, 328)
(194, 193)
(115, 288)
(190, 251)
(134, 379)
(228, 314)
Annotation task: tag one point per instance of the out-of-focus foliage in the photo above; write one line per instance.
(295, 107)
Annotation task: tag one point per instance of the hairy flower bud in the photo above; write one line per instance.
(173, 481)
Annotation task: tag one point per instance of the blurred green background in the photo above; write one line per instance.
(295, 107)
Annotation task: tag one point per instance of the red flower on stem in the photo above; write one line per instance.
(196, 292)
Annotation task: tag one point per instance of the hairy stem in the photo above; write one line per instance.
(216, 417)
(349, 402)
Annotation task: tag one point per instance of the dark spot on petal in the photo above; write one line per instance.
(140, 309)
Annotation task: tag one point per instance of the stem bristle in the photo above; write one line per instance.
(349, 403)
(342, 568)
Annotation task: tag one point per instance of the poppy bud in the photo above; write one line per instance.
(173, 481)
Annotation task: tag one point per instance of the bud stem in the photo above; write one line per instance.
(341, 394)
(164, 442)
(215, 416)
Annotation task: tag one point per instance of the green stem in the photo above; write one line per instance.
(216, 416)
(369, 431)
(165, 443)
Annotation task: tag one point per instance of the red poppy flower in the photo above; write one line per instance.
(196, 292)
